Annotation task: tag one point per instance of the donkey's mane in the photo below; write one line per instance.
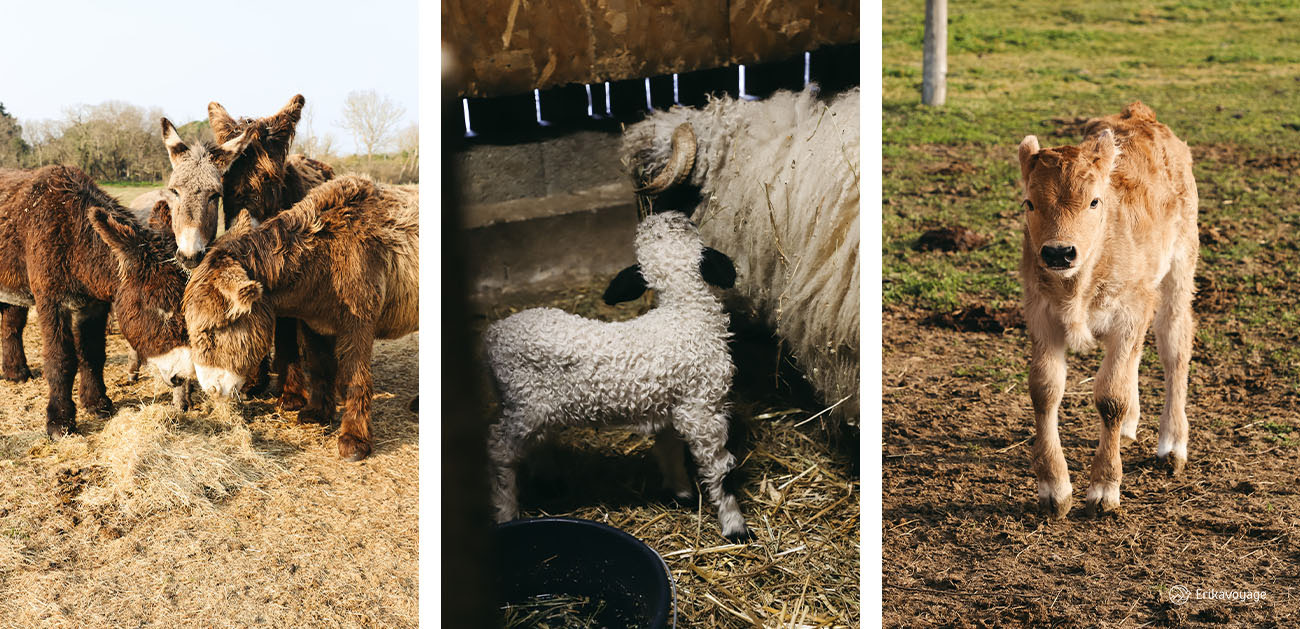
(79, 191)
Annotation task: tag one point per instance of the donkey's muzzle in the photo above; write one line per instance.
(189, 261)
(1058, 257)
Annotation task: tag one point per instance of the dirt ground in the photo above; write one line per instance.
(964, 544)
(306, 541)
(799, 493)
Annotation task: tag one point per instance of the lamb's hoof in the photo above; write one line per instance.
(315, 416)
(745, 535)
(57, 429)
(1055, 508)
(1173, 463)
(352, 448)
(18, 375)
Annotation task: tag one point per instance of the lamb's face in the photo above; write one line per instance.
(667, 246)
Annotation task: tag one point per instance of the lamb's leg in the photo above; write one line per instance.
(670, 452)
(13, 360)
(354, 350)
(1175, 329)
(508, 440)
(1112, 392)
(705, 431)
(1046, 388)
(90, 330)
(321, 362)
(60, 368)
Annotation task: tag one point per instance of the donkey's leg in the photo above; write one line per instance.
(1046, 388)
(670, 452)
(1112, 393)
(60, 367)
(13, 360)
(705, 431)
(290, 385)
(321, 362)
(91, 326)
(134, 362)
(1175, 329)
(354, 350)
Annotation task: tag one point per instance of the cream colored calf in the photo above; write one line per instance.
(1110, 244)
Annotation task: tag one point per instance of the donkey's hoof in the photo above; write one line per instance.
(1173, 463)
(17, 375)
(352, 448)
(1103, 500)
(315, 416)
(291, 401)
(1055, 508)
(57, 429)
(103, 409)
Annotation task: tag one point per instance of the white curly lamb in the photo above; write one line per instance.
(666, 372)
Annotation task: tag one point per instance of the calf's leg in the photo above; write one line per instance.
(13, 360)
(91, 326)
(1046, 388)
(1174, 328)
(705, 430)
(1112, 393)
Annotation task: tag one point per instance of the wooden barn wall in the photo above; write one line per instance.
(513, 46)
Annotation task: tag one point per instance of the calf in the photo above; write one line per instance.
(1110, 244)
(72, 251)
(345, 262)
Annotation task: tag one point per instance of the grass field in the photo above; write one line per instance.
(964, 545)
(126, 192)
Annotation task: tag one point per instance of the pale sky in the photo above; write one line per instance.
(251, 56)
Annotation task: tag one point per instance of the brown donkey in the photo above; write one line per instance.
(1110, 245)
(73, 251)
(345, 262)
(265, 180)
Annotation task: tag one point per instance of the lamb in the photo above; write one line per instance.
(667, 372)
(777, 183)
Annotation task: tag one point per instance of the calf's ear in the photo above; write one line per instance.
(240, 292)
(121, 237)
(1028, 147)
(1103, 149)
(626, 286)
(717, 268)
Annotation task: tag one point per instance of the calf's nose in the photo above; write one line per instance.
(1058, 257)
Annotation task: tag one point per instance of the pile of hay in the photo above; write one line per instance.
(154, 458)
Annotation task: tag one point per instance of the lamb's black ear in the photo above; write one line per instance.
(626, 286)
(717, 268)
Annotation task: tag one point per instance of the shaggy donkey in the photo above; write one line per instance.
(73, 252)
(1110, 244)
(194, 189)
(345, 262)
(266, 180)
(777, 183)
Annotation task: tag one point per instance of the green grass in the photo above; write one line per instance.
(127, 191)
(1225, 76)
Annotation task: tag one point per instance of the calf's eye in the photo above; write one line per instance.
(1094, 203)
(1029, 206)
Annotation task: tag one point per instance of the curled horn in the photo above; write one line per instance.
(680, 163)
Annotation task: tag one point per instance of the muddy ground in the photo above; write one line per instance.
(311, 541)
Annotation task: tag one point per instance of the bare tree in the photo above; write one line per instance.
(307, 142)
(371, 118)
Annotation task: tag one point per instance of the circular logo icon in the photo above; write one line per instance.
(1179, 595)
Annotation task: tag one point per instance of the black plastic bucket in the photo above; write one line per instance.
(627, 582)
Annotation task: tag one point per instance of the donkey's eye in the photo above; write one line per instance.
(1029, 206)
(1094, 203)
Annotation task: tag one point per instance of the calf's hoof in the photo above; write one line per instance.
(352, 448)
(1055, 508)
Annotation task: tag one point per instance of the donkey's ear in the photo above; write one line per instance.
(1028, 147)
(244, 221)
(226, 153)
(234, 284)
(223, 126)
(626, 286)
(292, 111)
(160, 219)
(176, 148)
(123, 238)
(717, 268)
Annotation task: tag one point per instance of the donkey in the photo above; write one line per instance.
(1110, 244)
(345, 262)
(73, 252)
(266, 180)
